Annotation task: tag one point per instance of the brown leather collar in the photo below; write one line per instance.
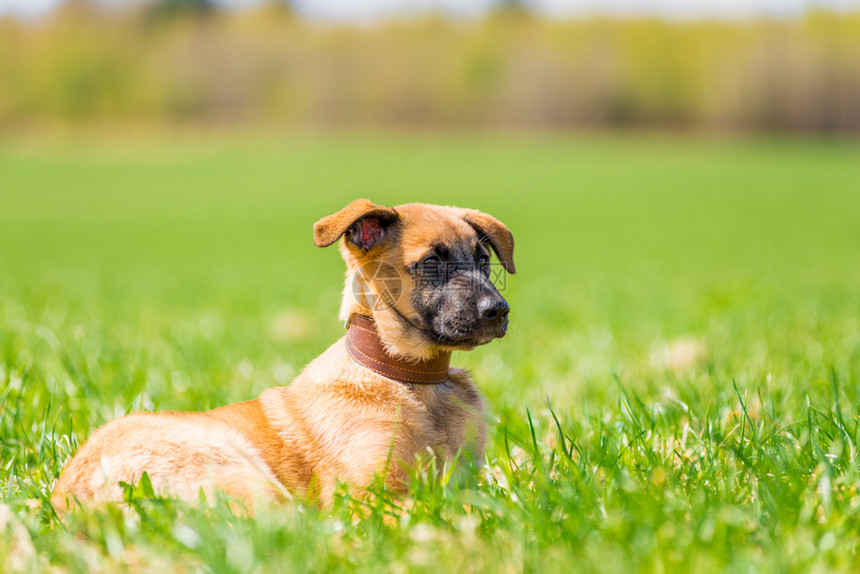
(366, 348)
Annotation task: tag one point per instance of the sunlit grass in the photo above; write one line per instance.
(678, 390)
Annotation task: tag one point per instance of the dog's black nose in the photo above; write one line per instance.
(493, 309)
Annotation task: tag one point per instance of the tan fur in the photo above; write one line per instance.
(338, 422)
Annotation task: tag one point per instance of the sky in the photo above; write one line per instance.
(373, 9)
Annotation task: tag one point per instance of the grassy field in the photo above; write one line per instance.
(678, 391)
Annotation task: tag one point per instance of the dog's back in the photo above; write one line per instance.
(181, 453)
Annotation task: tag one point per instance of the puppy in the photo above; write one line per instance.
(379, 399)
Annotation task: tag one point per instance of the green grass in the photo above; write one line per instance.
(181, 274)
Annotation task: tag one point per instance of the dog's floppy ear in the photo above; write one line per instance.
(364, 224)
(500, 237)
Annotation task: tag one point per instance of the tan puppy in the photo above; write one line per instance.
(417, 288)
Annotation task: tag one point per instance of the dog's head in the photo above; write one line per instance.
(422, 272)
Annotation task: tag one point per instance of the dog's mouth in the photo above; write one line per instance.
(467, 338)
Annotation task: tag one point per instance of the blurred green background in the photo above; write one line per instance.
(156, 253)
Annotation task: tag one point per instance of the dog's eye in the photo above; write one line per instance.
(483, 260)
(431, 261)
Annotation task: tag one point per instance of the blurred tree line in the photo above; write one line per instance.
(187, 61)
